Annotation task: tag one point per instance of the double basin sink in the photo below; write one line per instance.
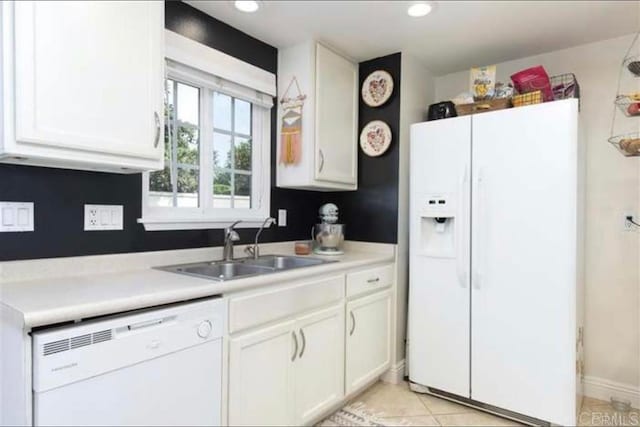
(246, 267)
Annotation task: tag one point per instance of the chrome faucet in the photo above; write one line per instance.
(254, 250)
(230, 236)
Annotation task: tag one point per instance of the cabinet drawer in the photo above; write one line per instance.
(369, 280)
(262, 307)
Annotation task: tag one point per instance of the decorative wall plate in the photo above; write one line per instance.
(375, 138)
(377, 88)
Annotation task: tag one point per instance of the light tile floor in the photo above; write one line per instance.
(397, 405)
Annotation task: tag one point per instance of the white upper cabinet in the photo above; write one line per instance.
(328, 156)
(83, 84)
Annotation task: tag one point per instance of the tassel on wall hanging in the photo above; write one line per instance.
(291, 131)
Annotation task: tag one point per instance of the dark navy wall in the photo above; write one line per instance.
(59, 194)
(371, 213)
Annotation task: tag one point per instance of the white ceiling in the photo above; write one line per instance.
(455, 36)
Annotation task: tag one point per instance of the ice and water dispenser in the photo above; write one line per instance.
(438, 226)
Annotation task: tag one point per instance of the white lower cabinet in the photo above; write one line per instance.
(368, 339)
(261, 377)
(289, 373)
(293, 349)
(319, 369)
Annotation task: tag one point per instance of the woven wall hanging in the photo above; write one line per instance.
(291, 131)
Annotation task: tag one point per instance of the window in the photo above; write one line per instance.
(231, 152)
(217, 155)
(177, 185)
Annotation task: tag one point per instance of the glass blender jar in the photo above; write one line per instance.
(328, 235)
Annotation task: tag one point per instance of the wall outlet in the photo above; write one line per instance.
(16, 216)
(282, 217)
(103, 217)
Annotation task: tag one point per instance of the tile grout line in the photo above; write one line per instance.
(435, 416)
(424, 404)
(467, 409)
(412, 416)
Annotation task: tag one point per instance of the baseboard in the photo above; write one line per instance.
(395, 374)
(599, 388)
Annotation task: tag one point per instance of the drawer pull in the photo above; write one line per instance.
(377, 279)
(353, 323)
(295, 350)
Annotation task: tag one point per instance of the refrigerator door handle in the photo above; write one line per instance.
(461, 259)
(481, 225)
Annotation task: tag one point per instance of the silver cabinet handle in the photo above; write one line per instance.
(353, 323)
(304, 343)
(377, 279)
(295, 340)
(321, 161)
(156, 139)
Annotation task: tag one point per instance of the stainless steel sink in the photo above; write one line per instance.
(219, 271)
(246, 267)
(284, 262)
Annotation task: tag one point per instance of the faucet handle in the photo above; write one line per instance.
(249, 250)
(229, 231)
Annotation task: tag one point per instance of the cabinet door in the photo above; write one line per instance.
(89, 76)
(261, 376)
(336, 118)
(524, 241)
(320, 363)
(368, 329)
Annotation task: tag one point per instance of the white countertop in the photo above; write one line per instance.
(45, 301)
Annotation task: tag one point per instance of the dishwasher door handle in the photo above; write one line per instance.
(149, 323)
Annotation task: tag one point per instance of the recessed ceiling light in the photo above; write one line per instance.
(248, 6)
(419, 9)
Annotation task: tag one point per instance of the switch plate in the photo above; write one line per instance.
(16, 216)
(103, 217)
(282, 217)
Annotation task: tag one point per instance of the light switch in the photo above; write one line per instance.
(282, 217)
(7, 216)
(105, 217)
(16, 216)
(23, 217)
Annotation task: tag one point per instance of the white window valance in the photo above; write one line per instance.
(181, 71)
(238, 74)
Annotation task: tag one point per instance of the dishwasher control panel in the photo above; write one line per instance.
(71, 353)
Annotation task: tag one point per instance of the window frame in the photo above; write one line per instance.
(207, 216)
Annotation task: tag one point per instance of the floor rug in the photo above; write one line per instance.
(356, 414)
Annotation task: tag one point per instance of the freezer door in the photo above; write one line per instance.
(524, 260)
(439, 254)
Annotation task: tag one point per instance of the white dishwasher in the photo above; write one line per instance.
(160, 366)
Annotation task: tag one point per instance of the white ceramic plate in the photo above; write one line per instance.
(377, 88)
(375, 138)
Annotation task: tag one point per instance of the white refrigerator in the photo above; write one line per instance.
(496, 261)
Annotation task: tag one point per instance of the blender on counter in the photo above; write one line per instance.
(328, 236)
